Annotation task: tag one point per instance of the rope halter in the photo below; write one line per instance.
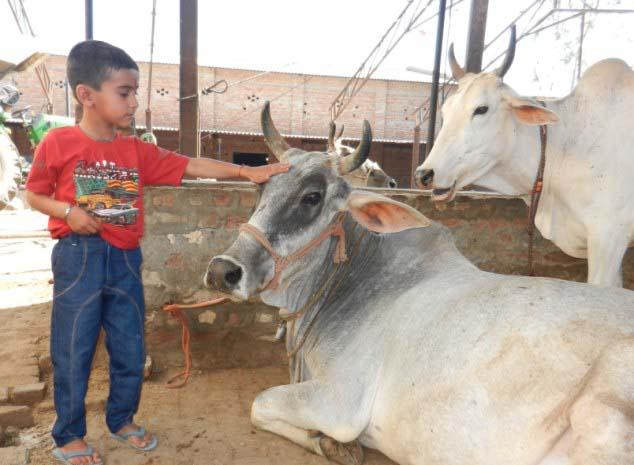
(282, 262)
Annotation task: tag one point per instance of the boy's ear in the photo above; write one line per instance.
(84, 94)
(382, 214)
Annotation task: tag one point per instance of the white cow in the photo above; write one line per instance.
(369, 174)
(490, 138)
(403, 345)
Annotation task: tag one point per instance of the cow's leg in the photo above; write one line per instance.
(319, 417)
(605, 254)
(601, 418)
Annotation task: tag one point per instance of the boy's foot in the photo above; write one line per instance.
(136, 440)
(79, 445)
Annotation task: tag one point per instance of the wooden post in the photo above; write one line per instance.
(415, 153)
(475, 38)
(189, 138)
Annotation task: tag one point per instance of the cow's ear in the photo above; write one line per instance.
(529, 112)
(383, 215)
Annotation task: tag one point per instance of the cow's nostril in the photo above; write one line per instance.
(224, 274)
(233, 277)
(392, 183)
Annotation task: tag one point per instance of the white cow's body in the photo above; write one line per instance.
(443, 364)
(588, 188)
(586, 204)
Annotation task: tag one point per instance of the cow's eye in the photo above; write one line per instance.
(312, 198)
(481, 110)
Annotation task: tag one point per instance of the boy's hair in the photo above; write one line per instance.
(91, 62)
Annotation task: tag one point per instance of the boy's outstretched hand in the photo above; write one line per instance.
(260, 174)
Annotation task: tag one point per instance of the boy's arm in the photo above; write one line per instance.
(78, 220)
(209, 168)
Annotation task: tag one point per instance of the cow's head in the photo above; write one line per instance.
(479, 130)
(296, 207)
(369, 174)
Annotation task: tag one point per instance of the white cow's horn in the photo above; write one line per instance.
(340, 131)
(456, 70)
(354, 160)
(331, 137)
(510, 55)
(272, 138)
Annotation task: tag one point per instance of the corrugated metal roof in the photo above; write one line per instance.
(288, 136)
(251, 133)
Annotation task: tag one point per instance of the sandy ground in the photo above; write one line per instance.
(205, 423)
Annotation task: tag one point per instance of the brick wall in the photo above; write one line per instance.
(186, 226)
(300, 102)
(300, 106)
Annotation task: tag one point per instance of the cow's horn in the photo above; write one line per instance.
(456, 70)
(340, 131)
(510, 55)
(355, 159)
(272, 138)
(331, 137)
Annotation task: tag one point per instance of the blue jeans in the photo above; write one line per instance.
(95, 285)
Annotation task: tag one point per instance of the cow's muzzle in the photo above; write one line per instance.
(223, 274)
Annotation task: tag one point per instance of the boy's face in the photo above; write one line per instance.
(116, 101)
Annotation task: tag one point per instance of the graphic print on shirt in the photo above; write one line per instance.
(107, 191)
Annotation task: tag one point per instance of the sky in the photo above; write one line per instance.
(333, 37)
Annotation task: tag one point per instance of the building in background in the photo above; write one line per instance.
(230, 122)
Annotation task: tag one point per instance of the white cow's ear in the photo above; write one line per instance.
(383, 215)
(529, 112)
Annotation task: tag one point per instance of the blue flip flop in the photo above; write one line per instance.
(123, 437)
(64, 457)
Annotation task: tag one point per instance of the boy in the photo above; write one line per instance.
(89, 181)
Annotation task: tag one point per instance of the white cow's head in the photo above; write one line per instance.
(479, 130)
(369, 174)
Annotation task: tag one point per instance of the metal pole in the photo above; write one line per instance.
(89, 35)
(67, 94)
(580, 51)
(189, 138)
(475, 38)
(433, 99)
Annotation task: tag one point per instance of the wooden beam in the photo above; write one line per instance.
(415, 155)
(475, 38)
(189, 139)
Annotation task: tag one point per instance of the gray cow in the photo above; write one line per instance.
(407, 347)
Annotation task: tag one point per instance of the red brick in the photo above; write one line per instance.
(28, 394)
(222, 199)
(175, 260)
(234, 222)
(15, 415)
(248, 199)
(209, 221)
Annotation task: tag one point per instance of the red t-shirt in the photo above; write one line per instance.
(104, 178)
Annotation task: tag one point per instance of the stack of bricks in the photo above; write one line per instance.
(20, 390)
